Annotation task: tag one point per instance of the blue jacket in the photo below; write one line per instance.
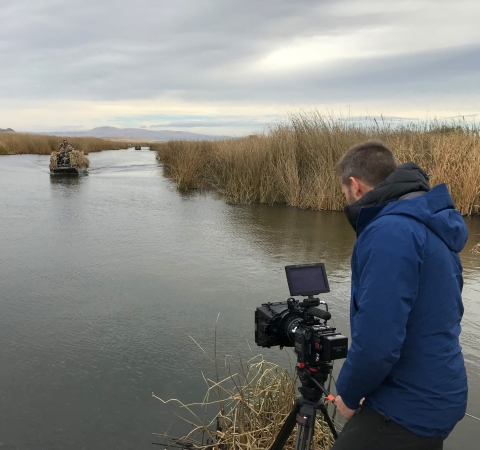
(405, 313)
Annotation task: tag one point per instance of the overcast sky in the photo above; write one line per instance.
(230, 67)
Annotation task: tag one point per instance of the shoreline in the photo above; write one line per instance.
(12, 143)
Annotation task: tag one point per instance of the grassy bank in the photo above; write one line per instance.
(292, 163)
(22, 143)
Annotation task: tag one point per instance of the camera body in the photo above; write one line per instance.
(299, 324)
(286, 324)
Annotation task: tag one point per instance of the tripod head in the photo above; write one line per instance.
(305, 409)
(313, 381)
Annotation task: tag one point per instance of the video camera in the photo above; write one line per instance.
(299, 324)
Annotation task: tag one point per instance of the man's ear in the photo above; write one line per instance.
(359, 188)
(355, 187)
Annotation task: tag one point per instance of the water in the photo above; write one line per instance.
(104, 278)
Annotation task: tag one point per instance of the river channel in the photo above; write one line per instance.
(106, 278)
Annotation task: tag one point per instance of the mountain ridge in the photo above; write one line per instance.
(136, 133)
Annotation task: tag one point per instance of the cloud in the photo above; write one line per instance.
(464, 116)
(396, 57)
(380, 119)
(235, 121)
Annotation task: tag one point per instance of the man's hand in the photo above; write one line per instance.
(343, 409)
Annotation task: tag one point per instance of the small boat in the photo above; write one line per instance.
(64, 171)
(137, 147)
(74, 163)
(68, 171)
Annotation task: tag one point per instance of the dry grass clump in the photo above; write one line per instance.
(292, 163)
(53, 160)
(22, 143)
(452, 158)
(77, 159)
(186, 162)
(251, 404)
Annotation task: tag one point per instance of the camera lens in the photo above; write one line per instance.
(290, 327)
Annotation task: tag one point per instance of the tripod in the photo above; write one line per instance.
(305, 409)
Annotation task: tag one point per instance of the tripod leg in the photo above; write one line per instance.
(322, 408)
(286, 429)
(304, 437)
(306, 426)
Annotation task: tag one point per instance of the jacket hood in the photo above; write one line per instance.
(407, 178)
(435, 210)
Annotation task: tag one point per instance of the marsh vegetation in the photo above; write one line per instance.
(292, 162)
(37, 144)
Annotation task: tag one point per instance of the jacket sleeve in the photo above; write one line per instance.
(387, 263)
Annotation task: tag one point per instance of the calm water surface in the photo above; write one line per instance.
(104, 278)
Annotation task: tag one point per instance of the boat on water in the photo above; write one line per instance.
(71, 163)
(69, 171)
(137, 147)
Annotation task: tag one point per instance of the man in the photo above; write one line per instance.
(63, 158)
(405, 359)
(65, 147)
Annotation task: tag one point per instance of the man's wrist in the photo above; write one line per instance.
(349, 402)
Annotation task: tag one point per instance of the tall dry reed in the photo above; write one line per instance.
(292, 162)
(23, 143)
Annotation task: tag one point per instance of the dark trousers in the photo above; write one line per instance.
(370, 430)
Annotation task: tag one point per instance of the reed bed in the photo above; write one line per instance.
(22, 143)
(292, 162)
(253, 402)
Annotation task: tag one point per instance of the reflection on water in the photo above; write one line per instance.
(105, 277)
(283, 232)
(65, 180)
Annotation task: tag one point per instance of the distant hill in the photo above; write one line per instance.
(137, 133)
(6, 130)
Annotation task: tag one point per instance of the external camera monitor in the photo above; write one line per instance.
(307, 279)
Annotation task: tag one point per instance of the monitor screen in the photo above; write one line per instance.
(307, 279)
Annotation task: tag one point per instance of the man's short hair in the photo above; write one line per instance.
(370, 162)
